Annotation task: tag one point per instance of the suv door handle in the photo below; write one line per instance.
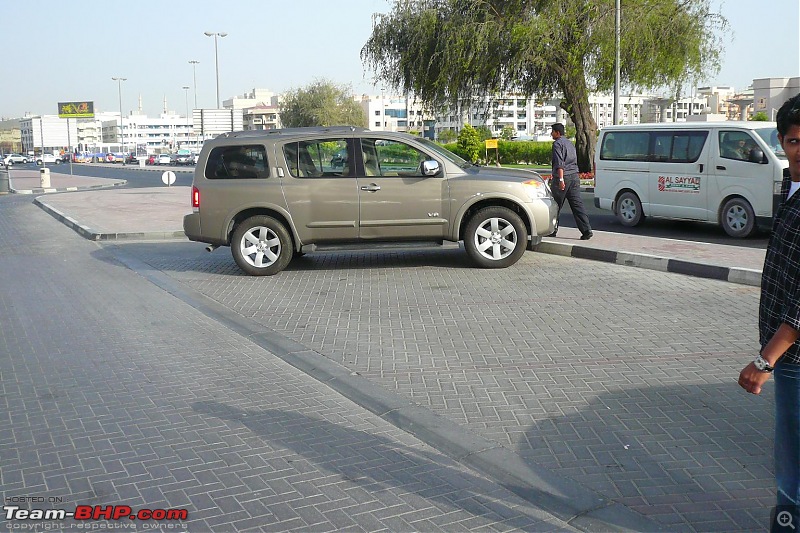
(720, 167)
(371, 187)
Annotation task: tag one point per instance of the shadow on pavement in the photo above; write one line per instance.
(376, 463)
(696, 456)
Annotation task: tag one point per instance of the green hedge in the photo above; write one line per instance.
(513, 152)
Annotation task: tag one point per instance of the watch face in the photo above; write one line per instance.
(760, 363)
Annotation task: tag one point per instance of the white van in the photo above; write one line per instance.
(727, 173)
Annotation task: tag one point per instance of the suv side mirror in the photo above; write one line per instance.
(757, 156)
(430, 168)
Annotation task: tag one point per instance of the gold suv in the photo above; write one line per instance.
(271, 194)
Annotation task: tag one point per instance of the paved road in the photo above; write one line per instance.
(169, 366)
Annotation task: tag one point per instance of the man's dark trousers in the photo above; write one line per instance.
(572, 194)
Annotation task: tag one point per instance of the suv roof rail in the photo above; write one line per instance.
(294, 131)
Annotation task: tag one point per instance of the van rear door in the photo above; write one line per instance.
(678, 179)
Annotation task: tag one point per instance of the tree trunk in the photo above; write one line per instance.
(576, 104)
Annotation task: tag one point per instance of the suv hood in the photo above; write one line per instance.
(500, 174)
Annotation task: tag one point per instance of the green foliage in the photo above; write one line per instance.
(469, 141)
(322, 103)
(447, 136)
(507, 134)
(760, 116)
(484, 133)
(513, 152)
(446, 51)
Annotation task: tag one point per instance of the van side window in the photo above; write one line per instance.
(736, 145)
(678, 147)
(625, 146)
(237, 162)
(318, 158)
(662, 146)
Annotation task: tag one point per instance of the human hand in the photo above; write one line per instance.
(751, 379)
(562, 185)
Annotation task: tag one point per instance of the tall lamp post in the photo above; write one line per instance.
(121, 131)
(194, 77)
(188, 124)
(216, 56)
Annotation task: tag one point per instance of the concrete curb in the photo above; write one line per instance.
(66, 189)
(94, 235)
(743, 276)
(563, 498)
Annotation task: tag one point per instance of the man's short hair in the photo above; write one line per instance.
(559, 127)
(788, 115)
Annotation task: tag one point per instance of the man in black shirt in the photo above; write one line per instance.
(566, 183)
(779, 324)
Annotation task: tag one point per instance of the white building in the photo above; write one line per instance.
(769, 94)
(386, 112)
(47, 132)
(254, 98)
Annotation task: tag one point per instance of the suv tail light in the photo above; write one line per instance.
(195, 197)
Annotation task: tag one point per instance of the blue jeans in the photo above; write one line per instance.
(787, 433)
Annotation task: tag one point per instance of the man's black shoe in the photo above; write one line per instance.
(586, 236)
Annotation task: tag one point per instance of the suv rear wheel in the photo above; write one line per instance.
(495, 237)
(261, 246)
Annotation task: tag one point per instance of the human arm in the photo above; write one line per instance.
(752, 379)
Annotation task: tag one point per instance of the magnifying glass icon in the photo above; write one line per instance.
(784, 519)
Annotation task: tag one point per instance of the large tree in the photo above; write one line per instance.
(322, 103)
(451, 51)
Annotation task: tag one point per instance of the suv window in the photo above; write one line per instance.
(391, 158)
(317, 158)
(237, 162)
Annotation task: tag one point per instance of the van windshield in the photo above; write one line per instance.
(770, 137)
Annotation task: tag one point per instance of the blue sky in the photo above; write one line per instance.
(56, 51)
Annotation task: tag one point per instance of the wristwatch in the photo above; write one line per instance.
(762, 364)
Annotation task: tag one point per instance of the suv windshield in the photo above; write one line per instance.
(444, 152)
(770, 137)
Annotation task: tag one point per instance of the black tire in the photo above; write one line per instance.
(737, 218)
(629, 209)
(261, 246)
(495, 237)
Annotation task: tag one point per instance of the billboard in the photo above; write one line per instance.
(76, 110)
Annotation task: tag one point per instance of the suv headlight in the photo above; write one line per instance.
(536, 189)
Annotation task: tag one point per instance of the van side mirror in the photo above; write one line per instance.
(758, 156)
(430, 168)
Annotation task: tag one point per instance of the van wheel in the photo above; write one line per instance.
(737, 218)
(629, 209)
(261, 246)
(495, 237)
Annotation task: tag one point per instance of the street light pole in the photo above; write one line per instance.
(216, 56)
(121, 131)
(188, 125)
(194, 76)
(617, 28)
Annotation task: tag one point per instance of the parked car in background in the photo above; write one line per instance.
(14, 159)
(131, 158)
(48, 158)
(164, 159)
(184, 157)
(151, 159)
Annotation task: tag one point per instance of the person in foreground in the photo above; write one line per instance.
(565, 183)
(779, 324)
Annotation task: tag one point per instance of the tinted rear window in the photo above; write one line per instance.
(237, 162)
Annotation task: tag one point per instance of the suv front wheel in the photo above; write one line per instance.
(495, 237)
(261, 246)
